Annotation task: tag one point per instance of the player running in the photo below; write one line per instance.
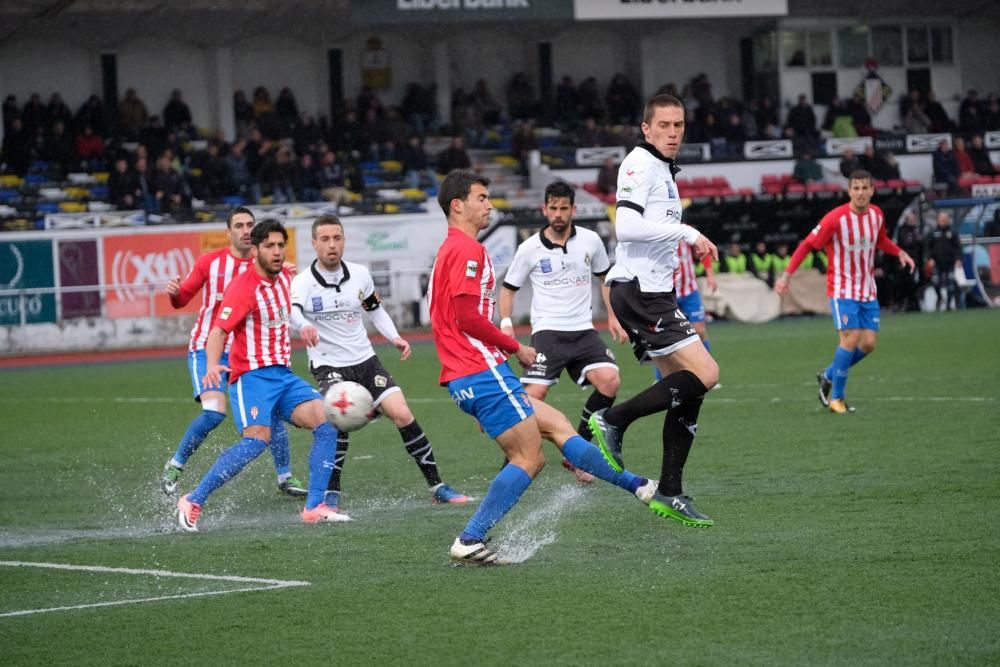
(255, 311)
(210, 275)
(473, 354)
(560, 262)
(328, 301)
(851, 234)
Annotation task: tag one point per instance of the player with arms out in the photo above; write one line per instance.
(559, 262)
(210, 275)
(851, 234)
(473, 354)
(649, 228)
(327, 305)
(255, 311)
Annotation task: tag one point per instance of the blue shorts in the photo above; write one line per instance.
(691, 306)
(851, 314)
(197, 365)
(262, 396)
(495, 397)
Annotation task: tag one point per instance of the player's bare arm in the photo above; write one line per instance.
(614, 326)
(214, 347)
(505, 307)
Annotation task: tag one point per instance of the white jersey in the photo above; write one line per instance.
(333, 303)
(560, 277)
(648, 221)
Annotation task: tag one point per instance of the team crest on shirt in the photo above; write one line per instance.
(471, 267)
(361, 295)
(586, 259)
(545, 265)
(254, 412)
(671, 193)
(380, 381)
(226, 312)
(317, 304)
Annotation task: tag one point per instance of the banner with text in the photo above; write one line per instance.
(616, 10)
(140, 265)
(383, 12)
(23, 265)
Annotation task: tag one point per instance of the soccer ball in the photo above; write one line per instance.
(348, 406)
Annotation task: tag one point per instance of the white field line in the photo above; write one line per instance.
(262, 585)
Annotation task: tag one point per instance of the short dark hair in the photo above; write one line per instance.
(558, 190)
(859, 175)
(657, 101)
(457, 185)
(263, 229)
(237, 211)
(326, 220)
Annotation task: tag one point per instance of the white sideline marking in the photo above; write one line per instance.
(264, 585)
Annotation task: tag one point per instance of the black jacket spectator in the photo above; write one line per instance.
(92, 113)
(453, 157)
(177, 114)
(980, 157)
(124, 191)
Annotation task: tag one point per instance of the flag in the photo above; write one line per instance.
(874, 99)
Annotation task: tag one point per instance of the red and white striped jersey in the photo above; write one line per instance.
(255, 310)
(211, 274)
(851, 241)
(685, 279)
(462, 267)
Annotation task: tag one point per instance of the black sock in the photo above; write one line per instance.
(679, 428)
(417, 446)
(597, 401)
(338, 461)
(679, 387)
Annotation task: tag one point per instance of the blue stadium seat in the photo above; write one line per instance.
(46, 207)
(233, 200)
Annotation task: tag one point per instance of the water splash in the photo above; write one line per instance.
(524, 536)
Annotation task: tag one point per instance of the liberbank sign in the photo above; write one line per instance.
(376, 12)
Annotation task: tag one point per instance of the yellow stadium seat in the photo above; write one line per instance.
(499, 202)
(72, 207)
(391, 165)
(101, 176)
(11, 181)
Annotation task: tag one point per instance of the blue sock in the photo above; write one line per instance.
(321, 460)
(588, 458)
(858, 356)
(707, 344)
(196, 433)
(227, 466)
(841, 363)
(279, 449)
(505, 490)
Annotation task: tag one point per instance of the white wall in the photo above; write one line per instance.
(156, 66)
(680, 51)
(43, 67)
(276, 62)
(590, 51)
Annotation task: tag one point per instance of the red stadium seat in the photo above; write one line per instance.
(720, 182)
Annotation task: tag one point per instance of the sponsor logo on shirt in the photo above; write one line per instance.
(226, 312)
(545, 265)
(572, 281)
(471, 267)
(317, 303)
(671, 193)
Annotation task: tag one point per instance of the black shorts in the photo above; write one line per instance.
(575, 351)
(369, 374)
(655, 325)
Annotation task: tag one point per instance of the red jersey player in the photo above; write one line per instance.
(473, 354)
(851, 234)
(210, 275)
(255, 312)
